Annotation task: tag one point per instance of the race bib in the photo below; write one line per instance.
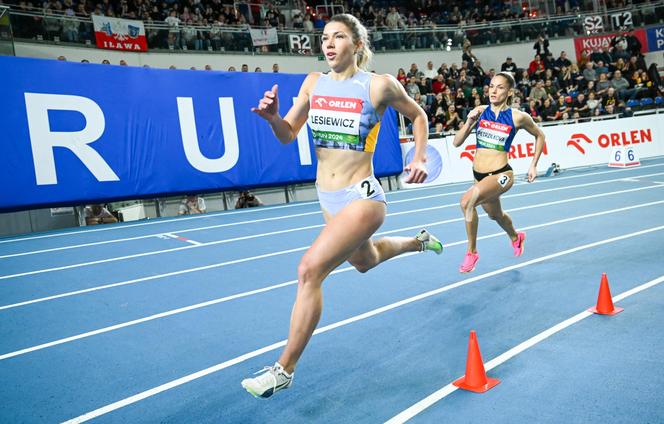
(335, 119)
(368, 188)
(503, 180)
(492, 135)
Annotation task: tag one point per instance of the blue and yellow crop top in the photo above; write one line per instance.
(341, 115)
(495, 133)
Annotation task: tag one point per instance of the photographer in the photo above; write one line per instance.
(247, 200)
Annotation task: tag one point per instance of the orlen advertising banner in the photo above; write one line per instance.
(119, 34)
(595, 43)
(570, 146)
(655, 38)
(75, 133)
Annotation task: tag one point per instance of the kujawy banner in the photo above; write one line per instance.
(76, 133)
(595, 43)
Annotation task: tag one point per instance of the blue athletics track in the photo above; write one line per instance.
(158, 321)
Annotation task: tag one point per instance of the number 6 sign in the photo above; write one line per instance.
(623, 157)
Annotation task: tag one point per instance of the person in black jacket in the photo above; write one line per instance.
(508, 66)
(542, 46)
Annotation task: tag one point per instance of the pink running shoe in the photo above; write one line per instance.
(518, 244)
(469, 262)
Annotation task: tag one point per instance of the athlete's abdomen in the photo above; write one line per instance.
(488, 160)
(340, 168)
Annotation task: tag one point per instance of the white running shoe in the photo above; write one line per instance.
(429, 242)
(271, 380)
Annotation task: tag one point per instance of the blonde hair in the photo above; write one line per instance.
(360, 35)
(511, 82)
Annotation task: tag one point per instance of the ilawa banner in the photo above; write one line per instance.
(119, 34)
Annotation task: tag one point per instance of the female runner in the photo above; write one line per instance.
(343, 108)
(496, 125)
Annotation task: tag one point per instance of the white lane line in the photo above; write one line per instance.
(184, 239)
(269, 208)
(279, 218)
(158, 252)
(609, 171)
(213, 243)
(220, 300)
(453, 205)
(207, 267)
(97, 243)
(177, 219)
(188, 378)
(425, 403)
(202, 268)
(528, 193)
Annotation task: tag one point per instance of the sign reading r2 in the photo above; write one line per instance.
(299, 42)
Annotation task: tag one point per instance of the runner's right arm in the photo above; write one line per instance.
(287, 128)
(468, 126)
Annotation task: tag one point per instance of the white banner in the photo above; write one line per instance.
(570, 146)
(119, 34)
(264, 37)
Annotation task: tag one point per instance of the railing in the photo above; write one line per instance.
(656, 111)
(6, 38)
(52, 28)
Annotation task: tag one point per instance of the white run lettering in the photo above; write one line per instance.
(190, 137)
(43, 140)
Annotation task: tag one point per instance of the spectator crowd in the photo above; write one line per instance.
(204, 24)
(550, 87)
(614, 80)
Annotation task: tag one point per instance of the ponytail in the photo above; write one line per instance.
(360, 36)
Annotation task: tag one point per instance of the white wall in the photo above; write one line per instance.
(491, 57)
(218, 61)
(571, 146)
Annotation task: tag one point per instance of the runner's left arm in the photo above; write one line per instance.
(393, 94)
(526, 122)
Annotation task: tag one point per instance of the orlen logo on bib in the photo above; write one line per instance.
(504, 128)
(338, 104)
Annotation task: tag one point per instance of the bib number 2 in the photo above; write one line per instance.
(366, 190)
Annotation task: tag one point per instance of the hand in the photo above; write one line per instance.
(268, 106)
(474, 115)
(417, 172)
(532, 173)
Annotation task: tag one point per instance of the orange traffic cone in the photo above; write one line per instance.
(475, 379)
(604, 301)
